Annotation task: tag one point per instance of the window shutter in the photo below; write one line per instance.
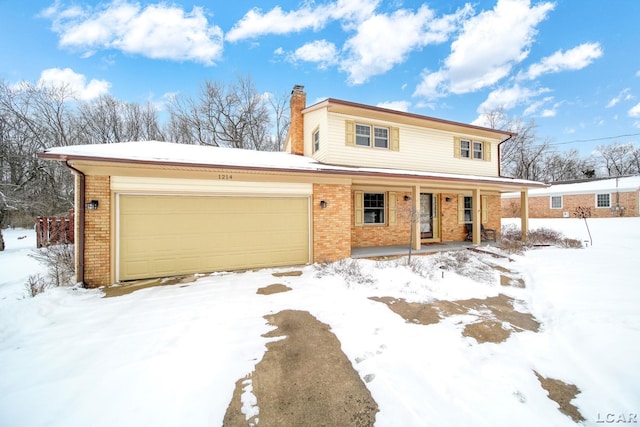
(393, 209)
(394, 143)
(456, 147)
(350, 135)
(358, 205)
(483, 208)
(460, 207)
(486, 151)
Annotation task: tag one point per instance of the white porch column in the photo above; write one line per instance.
(415, 216)
(476, 216)
(524, 213)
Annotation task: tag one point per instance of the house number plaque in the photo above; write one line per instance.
(225, 176)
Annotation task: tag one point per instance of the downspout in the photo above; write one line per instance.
(500, 156)
(79, 236)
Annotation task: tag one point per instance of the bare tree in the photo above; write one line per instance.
(527, 156)
(107, 120)
(522, 155)
(234, 115)
(619, 159)
(280, 108)
(566, 165)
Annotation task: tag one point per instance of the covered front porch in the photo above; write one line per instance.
(403, 250)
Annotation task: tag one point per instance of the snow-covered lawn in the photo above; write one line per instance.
(170, 356)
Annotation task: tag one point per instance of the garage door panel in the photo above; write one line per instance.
(172, 235)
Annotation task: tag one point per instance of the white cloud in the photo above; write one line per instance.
(634, 111)
(624, 95)
(77, 83)
(550, 112)
(322, 52)
(573, 59)
(382, 40)
(508, 98)
(396, 105)
(255, 23)
(490, 44)
(158, 31)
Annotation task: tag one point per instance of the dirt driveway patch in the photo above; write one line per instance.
(562, 393)
(276, 288)
(303, 379)
(493, 314)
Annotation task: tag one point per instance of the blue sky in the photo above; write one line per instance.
(573, 66)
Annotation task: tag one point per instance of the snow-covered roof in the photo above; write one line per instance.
(199, 155)
(622, 184)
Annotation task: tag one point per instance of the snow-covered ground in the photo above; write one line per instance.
(170, 356)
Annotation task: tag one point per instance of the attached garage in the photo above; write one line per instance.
(169, 235)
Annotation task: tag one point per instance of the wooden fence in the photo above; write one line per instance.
(53, 230)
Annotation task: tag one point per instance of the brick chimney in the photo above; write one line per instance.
(296, 127)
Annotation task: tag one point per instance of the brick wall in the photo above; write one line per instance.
(452, 231)
(331, 226)
(97, 237)
(384, 235)
(540, 207)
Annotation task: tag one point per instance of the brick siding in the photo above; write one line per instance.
(97, 233)
(331, 232)
(452, 231)
(540, 206)
(384, 235)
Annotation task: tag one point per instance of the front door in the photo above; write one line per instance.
(427, 206)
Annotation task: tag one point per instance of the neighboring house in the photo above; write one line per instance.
(352, 176)
(608, 197)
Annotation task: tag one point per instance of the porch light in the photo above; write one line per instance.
(92, 205)
(323, 204)
(407, 198)
(447, 199)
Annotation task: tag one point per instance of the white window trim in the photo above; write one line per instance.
(316, 146)
(383, 209)
(468, 150)
(603, 194)
(361, 135)
(372, 136)
(551, 202)
(481, 151)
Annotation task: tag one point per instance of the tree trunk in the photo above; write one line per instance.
(1, 240)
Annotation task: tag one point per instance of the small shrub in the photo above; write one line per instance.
(36, 284)
(349, 269)
(511, 239)
(60, 263)
(544, 236)
(571, 243)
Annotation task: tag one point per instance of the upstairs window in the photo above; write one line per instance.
(477, 150)
(316, 140)
(465, 148)
(363, 135)
(470, 149)
(381, 137)
(603, 200)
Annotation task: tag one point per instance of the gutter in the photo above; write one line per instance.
(341, 171)
(79, 236)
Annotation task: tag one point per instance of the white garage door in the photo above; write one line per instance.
(160, 236)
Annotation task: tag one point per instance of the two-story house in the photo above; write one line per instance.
(351, 176)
